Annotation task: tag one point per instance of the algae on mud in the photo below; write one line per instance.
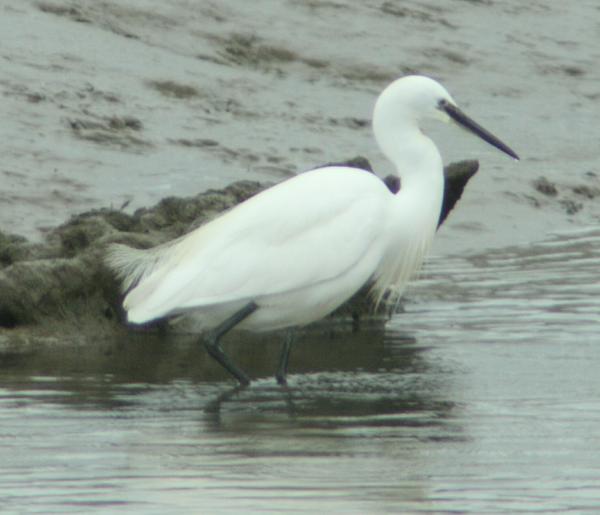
(60, 290)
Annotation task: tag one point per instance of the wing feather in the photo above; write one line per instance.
(299, 233)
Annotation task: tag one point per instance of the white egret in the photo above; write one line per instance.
(295, 252)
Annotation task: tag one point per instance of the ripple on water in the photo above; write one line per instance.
(541, 292)
(482, 397)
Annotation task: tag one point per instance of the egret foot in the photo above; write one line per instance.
(213, 346)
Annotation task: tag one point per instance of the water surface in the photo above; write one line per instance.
(483, 397)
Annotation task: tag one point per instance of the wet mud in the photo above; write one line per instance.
(61, 287)
(167, 96)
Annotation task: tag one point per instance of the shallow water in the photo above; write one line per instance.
(483, 397)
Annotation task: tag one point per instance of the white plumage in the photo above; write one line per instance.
(298, 250)
(251, 253)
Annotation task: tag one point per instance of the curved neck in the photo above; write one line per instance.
(418, 164)
(414, 155)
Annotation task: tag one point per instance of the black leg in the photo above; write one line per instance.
(284, 358)
(214, 347)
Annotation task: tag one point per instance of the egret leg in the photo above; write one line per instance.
(213, 346)
(284, 358)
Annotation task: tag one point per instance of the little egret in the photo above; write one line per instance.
(295, 252)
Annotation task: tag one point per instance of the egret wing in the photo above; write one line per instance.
(299, 233)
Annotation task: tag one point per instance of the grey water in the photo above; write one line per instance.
(483, 396)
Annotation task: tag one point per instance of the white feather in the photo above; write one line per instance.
(250, 253)
(131, 265)
(300, 249)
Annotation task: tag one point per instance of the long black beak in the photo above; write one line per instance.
(467, 123)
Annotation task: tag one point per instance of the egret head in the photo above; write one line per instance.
(415, 98)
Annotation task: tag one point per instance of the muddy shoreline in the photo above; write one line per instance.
(154, 98)
(60, 289)
(230, 91)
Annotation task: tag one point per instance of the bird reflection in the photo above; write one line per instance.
(367, 379)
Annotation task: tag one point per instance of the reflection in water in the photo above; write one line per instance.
(482, 397)
(346, 375)
(99, 430)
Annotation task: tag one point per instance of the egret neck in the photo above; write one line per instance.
(416, 207)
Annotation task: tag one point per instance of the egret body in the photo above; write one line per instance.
(295, 252)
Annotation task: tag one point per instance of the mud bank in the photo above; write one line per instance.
(61, 291)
